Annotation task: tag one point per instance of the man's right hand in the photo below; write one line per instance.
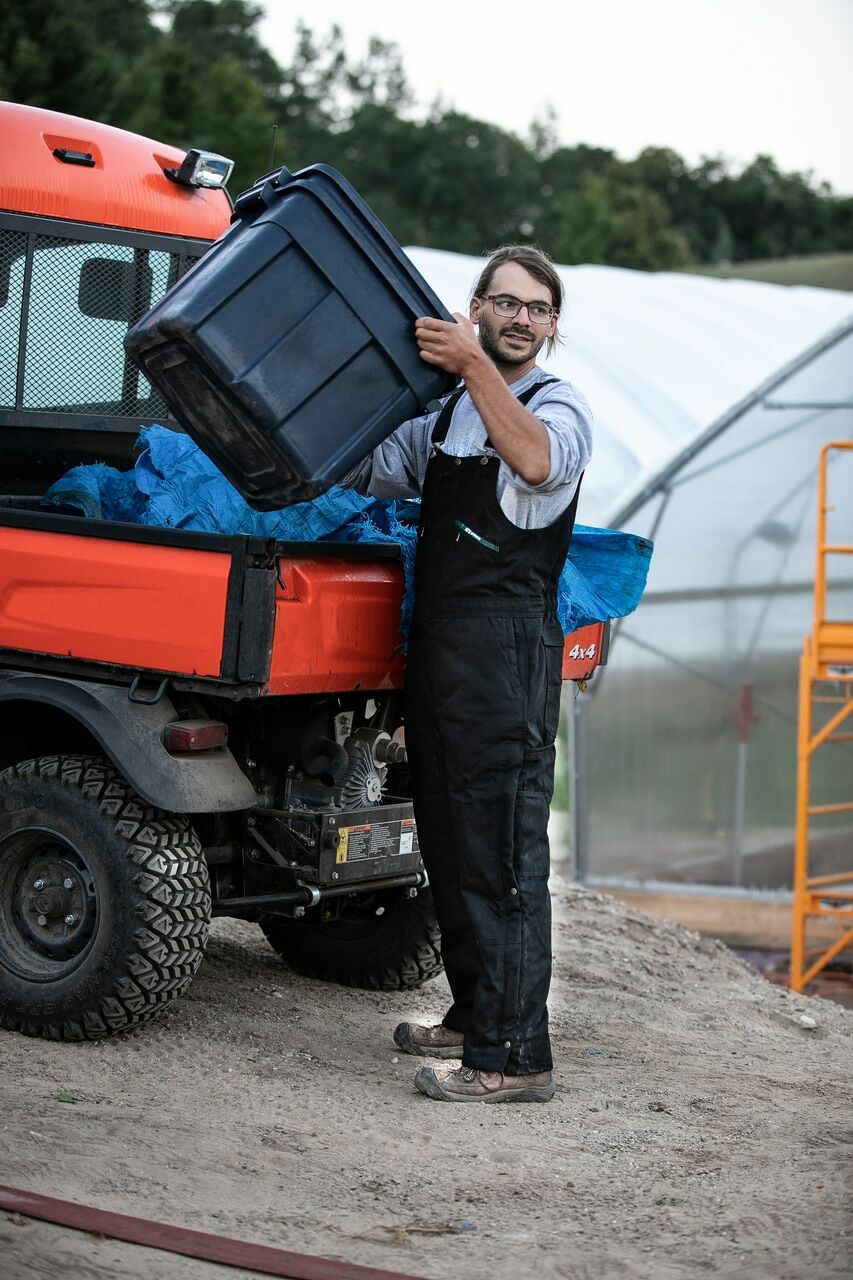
(452, 346)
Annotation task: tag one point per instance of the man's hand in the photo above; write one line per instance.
(519, 437)
(452, 346)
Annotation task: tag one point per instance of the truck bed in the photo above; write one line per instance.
(259, 617)
(279, 617)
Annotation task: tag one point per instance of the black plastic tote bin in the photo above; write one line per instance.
(288, 351)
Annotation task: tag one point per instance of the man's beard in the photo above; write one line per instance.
(489, 342)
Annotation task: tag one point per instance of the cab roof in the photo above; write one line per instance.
(122, 185)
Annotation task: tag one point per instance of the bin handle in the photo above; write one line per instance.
(261, 195)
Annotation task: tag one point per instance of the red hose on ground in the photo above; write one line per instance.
(194, 1244)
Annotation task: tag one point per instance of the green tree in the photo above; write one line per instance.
(472, 183)
(209, 83)
(195, 73)
(71, 56)
(380, 152)
(841, 235)
(560, 174)
(620, 223)
(685, 194)
(226, 28)
(323, 94)
(774, 214)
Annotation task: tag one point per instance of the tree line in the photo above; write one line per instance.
(195, 73)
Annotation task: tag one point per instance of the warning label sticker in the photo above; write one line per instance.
(376, 840)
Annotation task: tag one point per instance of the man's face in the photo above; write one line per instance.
(515, 341)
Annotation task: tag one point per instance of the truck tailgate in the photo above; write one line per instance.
(114, 600)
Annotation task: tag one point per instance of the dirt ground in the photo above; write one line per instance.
(699, 1127)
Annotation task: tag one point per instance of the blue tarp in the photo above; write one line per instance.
(176, 486)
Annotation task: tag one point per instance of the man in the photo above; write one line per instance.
(498, 469)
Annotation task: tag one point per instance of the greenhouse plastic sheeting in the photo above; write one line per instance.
(691, 764)
(174, 485)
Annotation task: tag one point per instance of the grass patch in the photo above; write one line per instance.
(823, 270)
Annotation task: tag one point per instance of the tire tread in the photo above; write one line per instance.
(172, 900)
(417, 958)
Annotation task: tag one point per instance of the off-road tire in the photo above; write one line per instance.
(400, 950)
(135, 887)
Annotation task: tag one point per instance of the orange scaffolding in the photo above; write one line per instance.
(823, 905)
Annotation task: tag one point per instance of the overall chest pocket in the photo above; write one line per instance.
(464, 530)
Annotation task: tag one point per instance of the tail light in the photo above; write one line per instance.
(195, 735)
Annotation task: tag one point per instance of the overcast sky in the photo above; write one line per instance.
(729, 77)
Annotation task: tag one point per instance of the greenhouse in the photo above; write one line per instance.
(712, 402)
(691, 736)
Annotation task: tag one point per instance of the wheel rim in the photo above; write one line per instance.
(50, 906)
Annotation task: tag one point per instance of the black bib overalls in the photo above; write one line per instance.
(482, 706)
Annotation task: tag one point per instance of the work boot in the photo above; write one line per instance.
(466, 1084)
(428, 1042)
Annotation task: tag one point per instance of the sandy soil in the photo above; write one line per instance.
(698, 1129)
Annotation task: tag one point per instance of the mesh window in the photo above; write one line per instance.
(83, 299)
(13, 249)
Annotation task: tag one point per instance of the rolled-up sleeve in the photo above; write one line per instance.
(567, 418)
(397, 466)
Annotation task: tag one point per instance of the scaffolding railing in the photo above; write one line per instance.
(823, 905)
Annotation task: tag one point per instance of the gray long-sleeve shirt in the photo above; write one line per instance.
(397, 467)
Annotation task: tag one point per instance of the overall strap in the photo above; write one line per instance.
(442, 426)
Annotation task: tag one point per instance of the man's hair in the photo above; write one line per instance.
(537, 263)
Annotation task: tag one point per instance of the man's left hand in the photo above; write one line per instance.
(451, 346)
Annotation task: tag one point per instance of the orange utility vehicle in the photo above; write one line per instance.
(189, 724)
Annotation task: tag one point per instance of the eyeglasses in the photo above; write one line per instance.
(504, 304)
